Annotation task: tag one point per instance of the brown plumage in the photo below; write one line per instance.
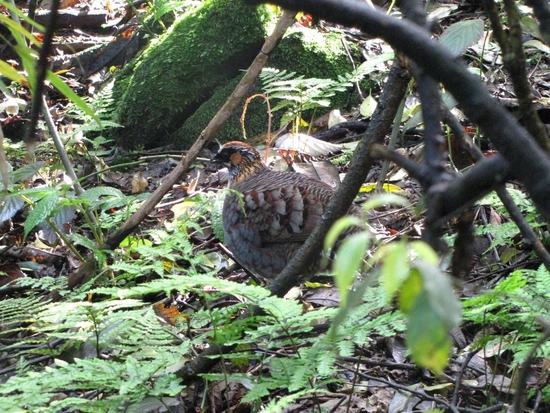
(277, 213)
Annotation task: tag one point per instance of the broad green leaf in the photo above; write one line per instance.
(340, 226)
(371, 64)
(428, 335)
(395, 267)
(530, 26)
(10, 206)
(411, 289)
(461, 35)
(368, 106)
(349, 259)
(93, 194)
(537, 44)
(25, 172)
(439, 292)
(42, 210)
(425, 252)
(73, 97)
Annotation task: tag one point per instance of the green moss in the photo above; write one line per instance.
(304, 51)
(201, 51)
(312, 54)
(256, 119)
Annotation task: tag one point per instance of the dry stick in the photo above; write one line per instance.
(511, 44)
(526, 231)
(361, 163)
(529, 163)
(84, 271)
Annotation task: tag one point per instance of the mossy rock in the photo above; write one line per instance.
(255, 121)
(304, 51)
(181, 70)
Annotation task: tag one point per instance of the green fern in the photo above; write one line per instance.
(513, 305)
(297, 95)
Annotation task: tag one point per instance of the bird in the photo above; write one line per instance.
(269, 214)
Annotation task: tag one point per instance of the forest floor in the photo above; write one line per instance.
(488, 349)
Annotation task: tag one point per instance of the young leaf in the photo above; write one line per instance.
(349, 260)
(461, 35)
(41, 211)
(9, 207)
(368, 106)
(396, 267)
(340, 226)
(428, 335)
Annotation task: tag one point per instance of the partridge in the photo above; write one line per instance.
(276, 213)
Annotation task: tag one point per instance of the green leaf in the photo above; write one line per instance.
(439, 292)
(349, 260)
(73, 97)
(412, 287)
(428, 335)
(530, 26)
(26, 172)
(395, 268)
(41, 211)
(84, 241)
(371, 64)
(339, 227)
(416, 118)
(368, 106)
(10, 206)
(17, 30)
(537, 44)
(11, 7)
(93, 194)
(425, 252)
(461, 35)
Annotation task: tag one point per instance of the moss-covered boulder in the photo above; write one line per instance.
(305, 51)
(174, 76)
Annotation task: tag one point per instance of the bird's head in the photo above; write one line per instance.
(242, 160)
